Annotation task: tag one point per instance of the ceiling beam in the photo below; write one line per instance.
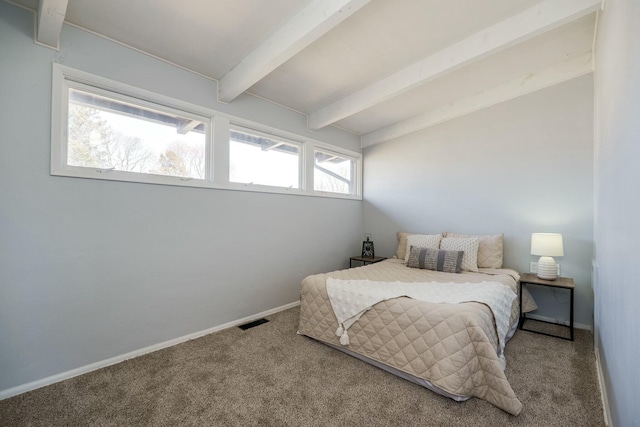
(308, 25)
(546, 77)
(516, 29)
(187, 126)
(51, 15)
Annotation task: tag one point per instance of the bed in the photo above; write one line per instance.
(452, 349)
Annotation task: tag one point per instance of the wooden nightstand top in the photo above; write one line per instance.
(560, 282)
(368, 259)
(365, 260)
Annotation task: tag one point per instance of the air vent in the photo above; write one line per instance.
(253, 324)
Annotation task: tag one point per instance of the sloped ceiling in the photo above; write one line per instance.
(334, 59)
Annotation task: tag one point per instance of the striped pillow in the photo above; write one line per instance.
(435, 259)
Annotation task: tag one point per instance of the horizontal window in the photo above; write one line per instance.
(333, 173)
(102, 129)
(114, 134)
(255, 158)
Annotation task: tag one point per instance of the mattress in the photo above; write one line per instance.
(450, 346)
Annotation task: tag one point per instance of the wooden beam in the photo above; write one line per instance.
(272, 146)
(555, 74)
(329, 159)
(516, 29)
(308, 25)
(187, 126)
(51, 15)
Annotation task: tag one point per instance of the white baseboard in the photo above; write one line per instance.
(603, 392)
(14, 391)
(565, 323)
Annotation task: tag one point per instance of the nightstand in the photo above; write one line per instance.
(365, 260)
(560, 282)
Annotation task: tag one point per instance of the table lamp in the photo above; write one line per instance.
(547, 245)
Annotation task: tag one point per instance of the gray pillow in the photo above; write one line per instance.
(435, 259)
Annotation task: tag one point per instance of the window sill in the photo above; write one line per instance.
(88, 173)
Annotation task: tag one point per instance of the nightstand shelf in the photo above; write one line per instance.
(365, 260)
(560, 282)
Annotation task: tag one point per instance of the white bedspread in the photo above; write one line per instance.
(350, 299)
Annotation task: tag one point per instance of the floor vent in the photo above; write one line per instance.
(253, 324)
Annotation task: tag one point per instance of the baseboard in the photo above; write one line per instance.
(14, 391)
(565, 323)
(603, 392)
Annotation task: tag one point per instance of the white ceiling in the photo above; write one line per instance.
(377, 39)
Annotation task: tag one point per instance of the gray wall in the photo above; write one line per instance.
(617, 203)
(94, 269)
(519, 167)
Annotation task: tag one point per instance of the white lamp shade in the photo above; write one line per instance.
(547, 244)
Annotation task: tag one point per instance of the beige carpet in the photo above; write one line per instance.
(270, 376)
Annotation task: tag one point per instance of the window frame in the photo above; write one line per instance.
(217, 141)
(64, 80)
(354, 171)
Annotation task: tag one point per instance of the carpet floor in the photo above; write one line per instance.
(269, 376)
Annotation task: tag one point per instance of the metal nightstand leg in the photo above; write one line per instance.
(571, 319)
(521, 320)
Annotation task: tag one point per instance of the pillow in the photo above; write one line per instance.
(431, 241)
(401, 252)
(490, 250)
(470, 248)
(435, 259)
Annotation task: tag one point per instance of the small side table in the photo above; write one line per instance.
(560, 282)
(365, 260)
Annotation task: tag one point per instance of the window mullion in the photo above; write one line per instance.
(309, 165)
(221, 132)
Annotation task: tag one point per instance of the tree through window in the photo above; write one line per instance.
(110, 134)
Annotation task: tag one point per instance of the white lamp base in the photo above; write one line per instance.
(547, 268)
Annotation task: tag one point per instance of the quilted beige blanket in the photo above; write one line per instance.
(453, 346)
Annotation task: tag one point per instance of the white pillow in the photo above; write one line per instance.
(490, 248)
(470, 248)
(431, 241)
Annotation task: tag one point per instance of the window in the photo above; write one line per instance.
(333, 173)
(123, 134)
(104, 129)
(256, 158)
